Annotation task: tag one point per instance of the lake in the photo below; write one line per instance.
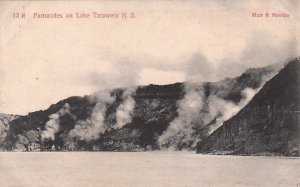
(145, 169)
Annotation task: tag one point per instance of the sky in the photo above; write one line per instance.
(45, 60)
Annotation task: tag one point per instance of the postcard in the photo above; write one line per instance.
(149, 93)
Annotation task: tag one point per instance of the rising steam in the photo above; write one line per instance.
(188, 111)
(227, 109)
(125, 110)
(52, 126)
(94, 126)
(199, 115)
(223, 110)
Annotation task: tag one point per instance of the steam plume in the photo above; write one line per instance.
(226, 109)
(52, 126)
(188, 111)
(199, 115)
(91, 128)
(125, 110)
(223, 110)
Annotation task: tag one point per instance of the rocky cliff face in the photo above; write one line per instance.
(4, 121)
(269, 124)
(86, 123)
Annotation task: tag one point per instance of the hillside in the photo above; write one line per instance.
(269, 124)
(4, 122)
(92, 122)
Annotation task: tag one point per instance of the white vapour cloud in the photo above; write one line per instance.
(197, 113)
(94, 126)
(188, 111)
(52, 126)
(223, 110)
(227, 109)
(125, 109)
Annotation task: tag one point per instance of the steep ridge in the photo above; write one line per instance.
(269, 124)
(155, 108)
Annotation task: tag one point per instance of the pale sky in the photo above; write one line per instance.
(45, 60)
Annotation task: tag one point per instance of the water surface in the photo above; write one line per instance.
(145, 169)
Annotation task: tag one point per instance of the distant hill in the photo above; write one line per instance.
(155, 107)
(269, 124)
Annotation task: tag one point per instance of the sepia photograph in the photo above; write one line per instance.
(149, 93)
